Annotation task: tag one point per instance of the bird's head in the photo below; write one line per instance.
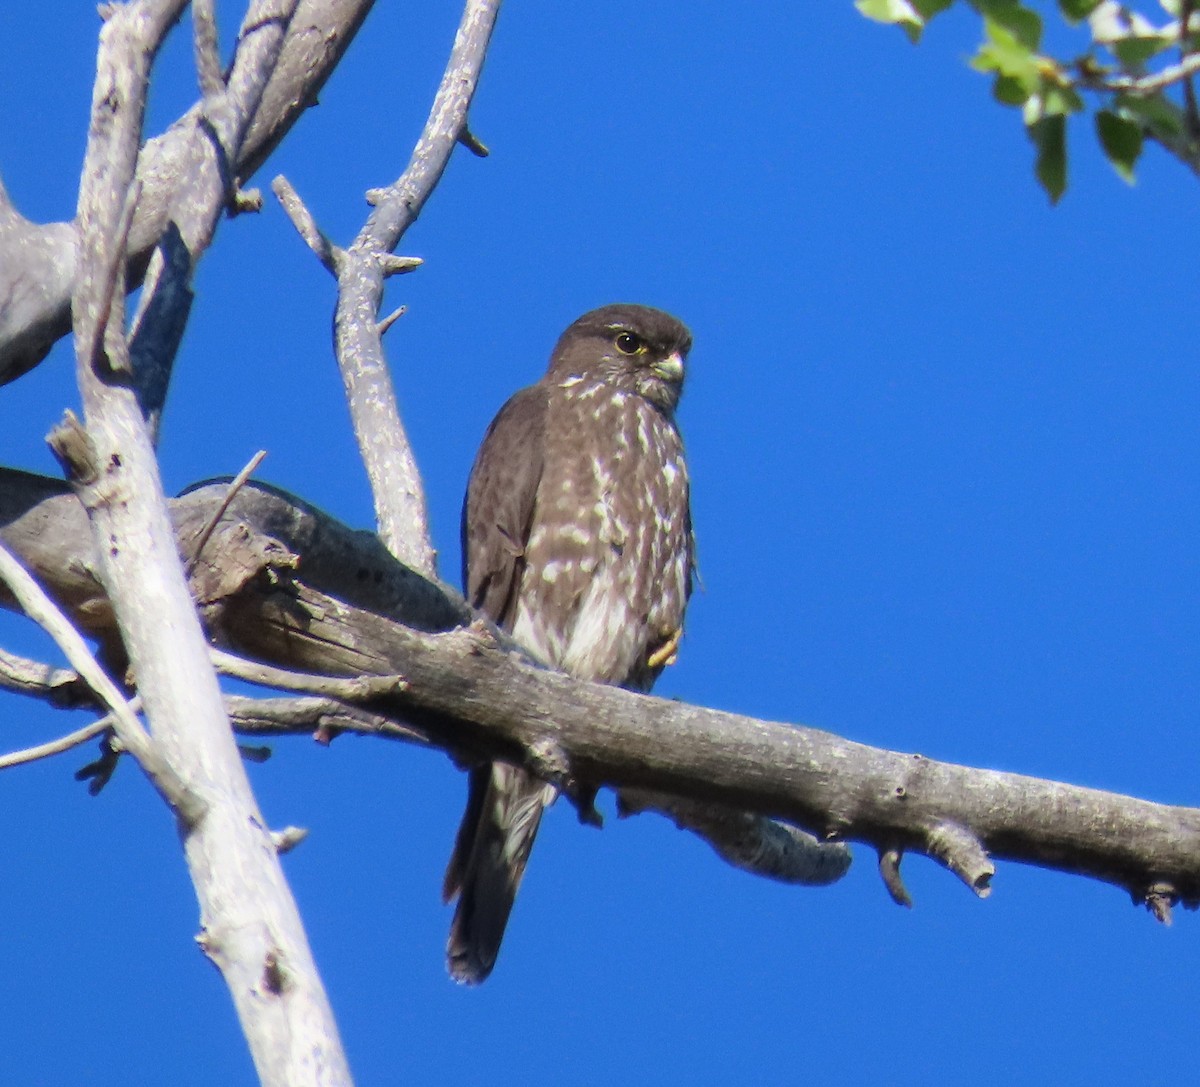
(634, 348)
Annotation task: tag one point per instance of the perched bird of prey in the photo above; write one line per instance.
(577, 539)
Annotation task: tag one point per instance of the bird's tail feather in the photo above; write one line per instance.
(504, 810)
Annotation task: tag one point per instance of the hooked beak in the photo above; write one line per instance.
(671, 368)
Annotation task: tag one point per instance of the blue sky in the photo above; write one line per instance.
(942, 438)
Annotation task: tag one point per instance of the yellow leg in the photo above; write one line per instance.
(667, 652)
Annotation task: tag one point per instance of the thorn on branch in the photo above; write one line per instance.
(392, 265)
(287, 839)
(1159, 899)
(473, 143)
(390, 320)
(326, 734)
(889, 871)
(963, 853)
(73, 448)
(245, 201)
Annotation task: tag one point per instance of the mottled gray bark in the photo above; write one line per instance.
(38, 263)
(251, 926)
(347, 608)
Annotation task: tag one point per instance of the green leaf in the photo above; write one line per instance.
(1019, 21)
(1153, 112)
(896, 13)
(1121, 140)
(1075, 11)
(1005, 54)
(929, 8)
(910, 15)
(1133, 52)
(1009, 91)
(1057, 98)
(1049, 135)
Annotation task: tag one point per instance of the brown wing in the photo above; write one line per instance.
(504, 804)
(499, 506)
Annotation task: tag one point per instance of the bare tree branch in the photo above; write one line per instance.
(323, 718)
(196, 204)
(361, 269)
(753, 843)
(302, 219)
(57, 747)
(343, 688)
(58, 686)
(208, 57)
(235, 485)
(349, 609)
(134, 739)
(38, 263)
(251, 926)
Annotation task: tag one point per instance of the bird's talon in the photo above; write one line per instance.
(668, 652)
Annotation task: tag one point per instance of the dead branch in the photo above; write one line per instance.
(248, 914)
(361, 270)
(346, 608)
(38, 263)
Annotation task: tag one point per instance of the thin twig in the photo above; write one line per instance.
(23, 675)
(347, 688)
(136, 740)
(391, 319)
(57, 747)
(400, 509)
(208, 57)
(306, 226)
(306, 714)
(235, 485)
(1140, 86)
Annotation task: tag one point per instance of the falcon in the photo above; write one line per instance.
(577, 539)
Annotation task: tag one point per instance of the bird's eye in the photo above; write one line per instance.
(629, 343)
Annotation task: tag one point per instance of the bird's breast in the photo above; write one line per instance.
(609, 551)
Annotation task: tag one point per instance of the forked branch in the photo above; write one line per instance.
(361, 270)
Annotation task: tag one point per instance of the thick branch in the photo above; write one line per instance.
(348, 609)
(251, 926)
